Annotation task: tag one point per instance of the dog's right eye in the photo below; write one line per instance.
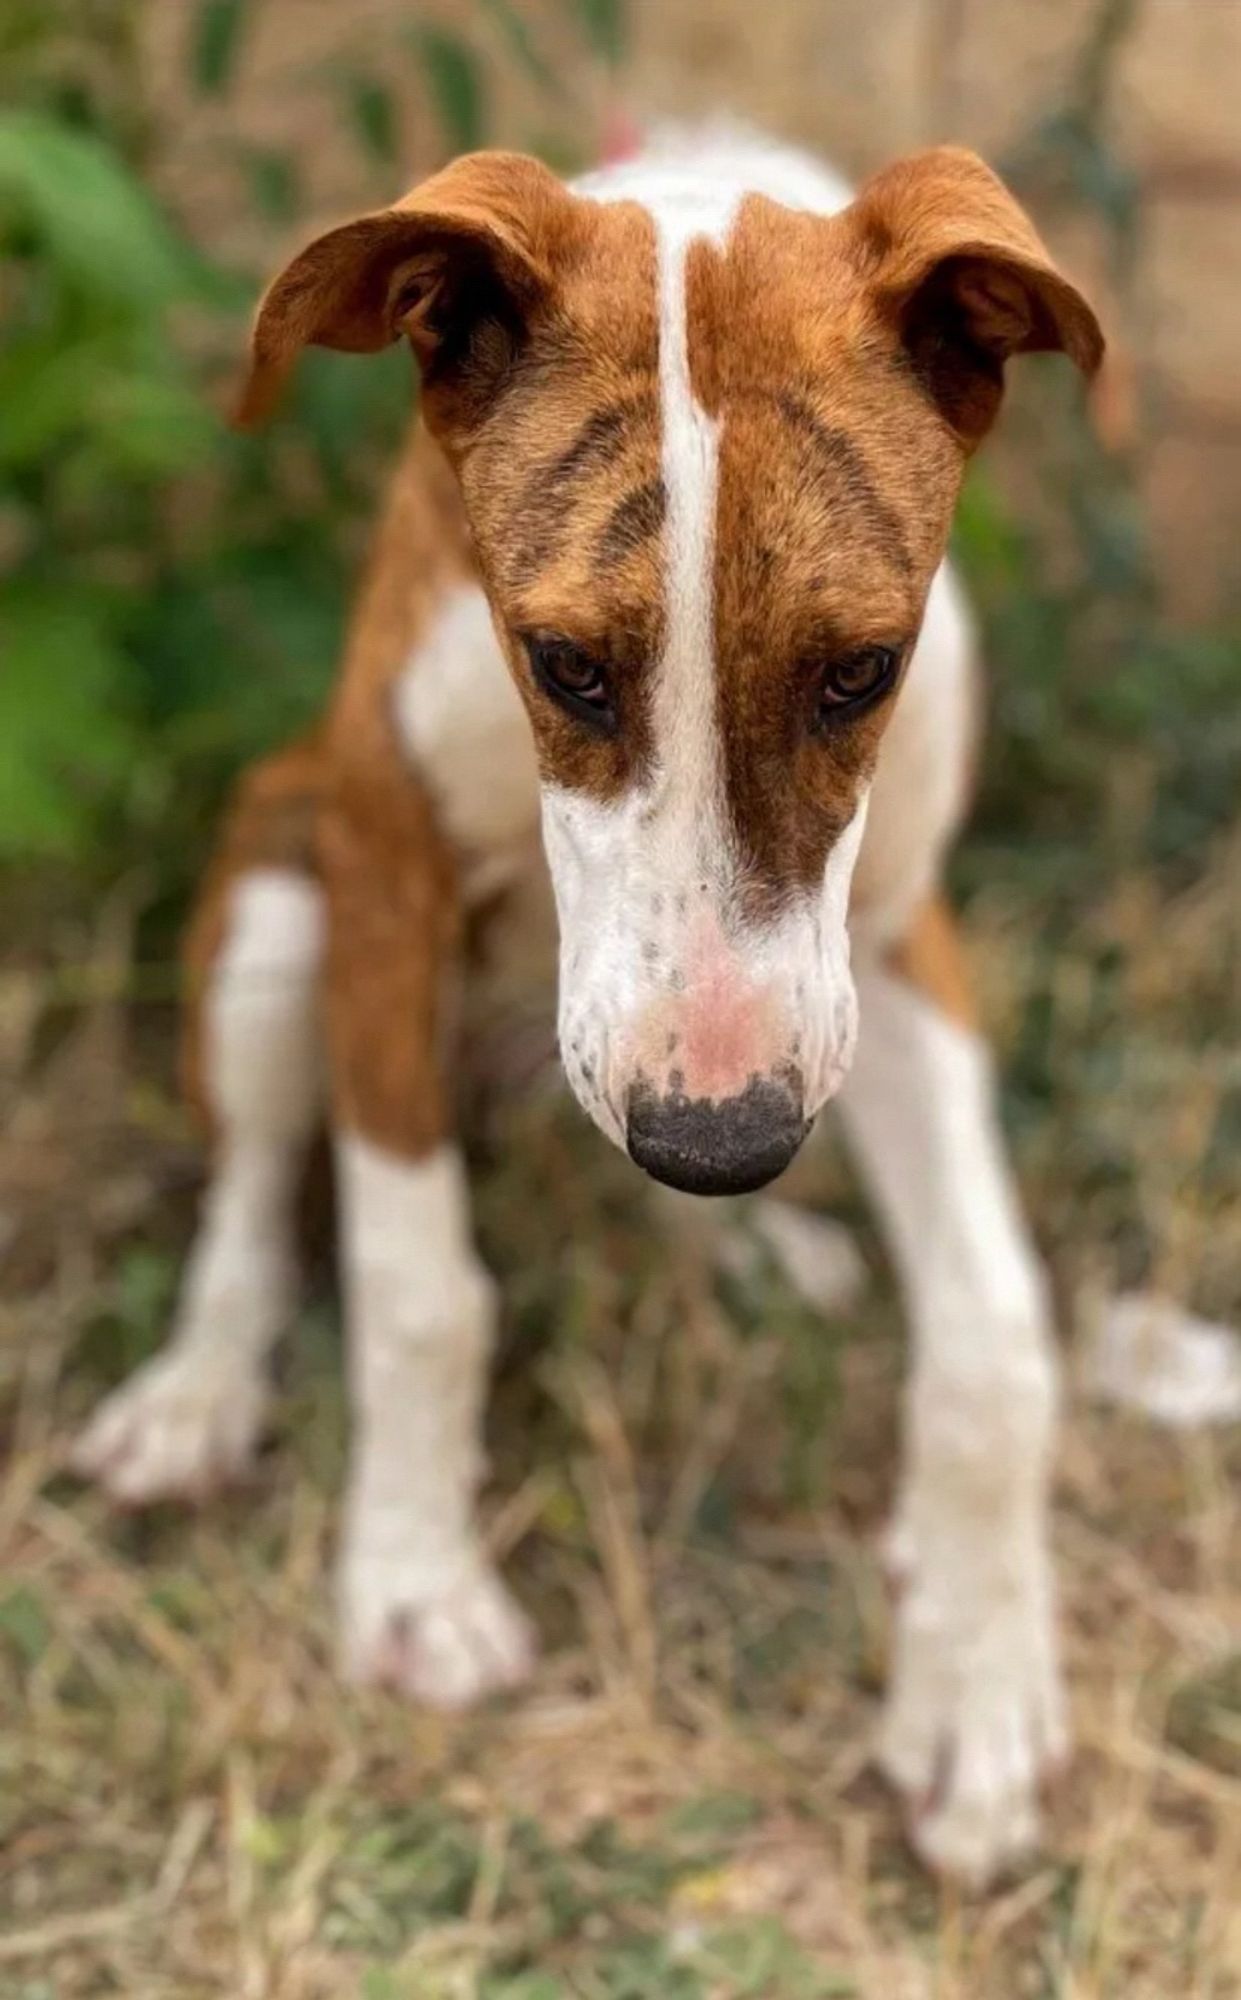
(578, 683)
(854, 681)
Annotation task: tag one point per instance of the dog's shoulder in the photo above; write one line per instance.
(420, 556)
(424, 685)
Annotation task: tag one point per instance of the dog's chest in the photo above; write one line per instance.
(466, 734)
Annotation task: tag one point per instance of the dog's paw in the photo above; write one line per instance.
(1151, 1355)
(448, 1646)
(975, 1722)
(181, 1428)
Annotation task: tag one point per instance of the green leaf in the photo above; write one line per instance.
(604, 25)
(523, 47)
(985, 539)
(75, 195)
(215, 44)
(154, 427)
(272, 178)
(144, 1288)
(455, 81)
(25, 1624)
(122, 393)
(47, 392)
(373, 115)
(64, 738)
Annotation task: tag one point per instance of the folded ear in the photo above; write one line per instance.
(458, 266)
(956, 263)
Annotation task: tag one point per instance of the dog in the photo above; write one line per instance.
(660, 594)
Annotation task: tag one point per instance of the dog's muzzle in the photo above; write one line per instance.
(717, 1146)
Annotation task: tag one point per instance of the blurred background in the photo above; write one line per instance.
(688, 1470)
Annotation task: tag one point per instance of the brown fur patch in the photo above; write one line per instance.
(393, 940)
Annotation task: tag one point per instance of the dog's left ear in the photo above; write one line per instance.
(459, 266)
(953, 260)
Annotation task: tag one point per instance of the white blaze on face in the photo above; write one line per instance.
(661, 979)
(687, 790)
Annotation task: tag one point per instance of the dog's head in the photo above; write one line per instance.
(709, 470)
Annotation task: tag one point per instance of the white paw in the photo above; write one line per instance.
(1150, 1355)
(179, 1429)
(447, 1645)
(975, 1719)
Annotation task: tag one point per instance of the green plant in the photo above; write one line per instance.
(172, 595)
(100, 413)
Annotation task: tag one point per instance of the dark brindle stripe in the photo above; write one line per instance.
(600, 440)
(843, 462)
(549, 492)
(634, 520)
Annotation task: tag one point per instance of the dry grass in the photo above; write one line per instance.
(686, 1487)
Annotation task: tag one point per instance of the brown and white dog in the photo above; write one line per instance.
(663, 569)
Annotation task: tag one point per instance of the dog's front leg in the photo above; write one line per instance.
(421, 1609)
(975, 1714)
(189, 1421)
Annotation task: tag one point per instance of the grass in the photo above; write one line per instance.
(688, 1477)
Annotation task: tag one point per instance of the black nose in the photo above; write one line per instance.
(705, 1146)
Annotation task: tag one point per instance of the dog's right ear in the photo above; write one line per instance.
(459, 266)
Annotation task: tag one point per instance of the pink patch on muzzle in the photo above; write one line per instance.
(719, 1030)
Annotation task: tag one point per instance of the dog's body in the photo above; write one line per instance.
(735, 483)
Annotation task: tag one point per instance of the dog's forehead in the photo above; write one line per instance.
(828, 451)
(822, 458)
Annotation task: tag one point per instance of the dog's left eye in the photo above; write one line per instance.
(855, 678)
(566, 672)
